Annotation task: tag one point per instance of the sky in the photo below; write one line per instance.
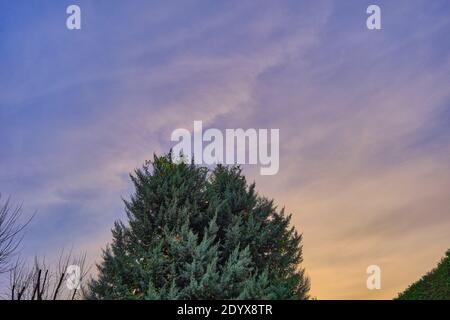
(363, 117)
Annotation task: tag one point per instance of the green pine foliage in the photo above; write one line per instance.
(194, 233)
(435, 285)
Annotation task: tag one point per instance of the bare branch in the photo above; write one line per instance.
(44, 283)
(10, 233)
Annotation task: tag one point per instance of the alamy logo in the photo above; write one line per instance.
(238, 146)
(73, 277)
(73, 22)
(374, 280)
(373, 22)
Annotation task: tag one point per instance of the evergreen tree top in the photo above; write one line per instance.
(195, 233)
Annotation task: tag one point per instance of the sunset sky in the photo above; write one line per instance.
(364, 119)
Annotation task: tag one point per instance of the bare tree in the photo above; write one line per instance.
(10, 233)
(41, 282)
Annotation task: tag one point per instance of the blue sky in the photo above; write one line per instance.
(363, 118)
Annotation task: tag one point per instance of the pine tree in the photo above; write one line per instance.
(194, 233)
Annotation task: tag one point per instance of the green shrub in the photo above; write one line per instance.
(435, 285)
